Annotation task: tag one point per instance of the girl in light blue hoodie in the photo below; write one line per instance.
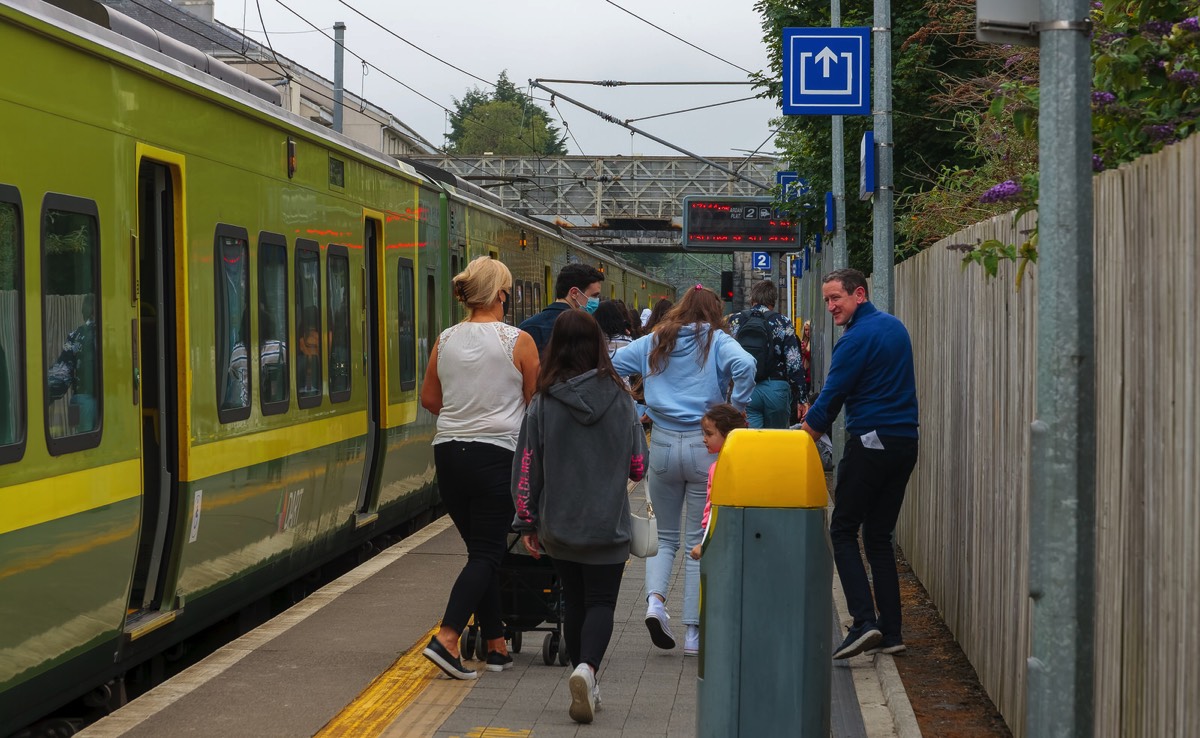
(688, 364)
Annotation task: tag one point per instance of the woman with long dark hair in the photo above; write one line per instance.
(660, 309)
(580, 443)
(481, 376)
(687, 365)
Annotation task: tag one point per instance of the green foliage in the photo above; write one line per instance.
(1146, 95)
(925, 66)
(505, 121)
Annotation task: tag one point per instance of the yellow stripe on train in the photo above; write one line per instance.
(43, 500)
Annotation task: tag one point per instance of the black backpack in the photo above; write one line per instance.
(754, 336)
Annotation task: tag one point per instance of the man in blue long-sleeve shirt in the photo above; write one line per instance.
(872, 374)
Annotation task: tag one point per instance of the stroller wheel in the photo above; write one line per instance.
(466, 641)
(550, 649)
(480, 646)
(564, 657)
(516, 641)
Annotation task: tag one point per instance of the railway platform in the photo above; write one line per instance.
(347, 662)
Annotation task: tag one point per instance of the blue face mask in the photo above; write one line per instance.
(592, 304)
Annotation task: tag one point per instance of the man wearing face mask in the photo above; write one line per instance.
(578, 287)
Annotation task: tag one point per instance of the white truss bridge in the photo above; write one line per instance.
(622, 202)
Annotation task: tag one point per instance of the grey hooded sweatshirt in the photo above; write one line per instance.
(580, 442)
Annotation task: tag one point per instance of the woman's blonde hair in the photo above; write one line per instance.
(480, 283)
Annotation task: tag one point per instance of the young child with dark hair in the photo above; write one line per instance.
(717, 423)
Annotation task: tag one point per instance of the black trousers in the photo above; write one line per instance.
(590, 597)
(870, 491)
(473, 479)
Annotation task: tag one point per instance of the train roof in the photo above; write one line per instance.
(107, 28)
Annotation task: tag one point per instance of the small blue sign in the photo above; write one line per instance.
(792, 184)
(830, 213)
(798, 266)
(866, 163)
(760, 260)
(827, 71)
(817, 242)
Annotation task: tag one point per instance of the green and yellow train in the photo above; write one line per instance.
(214, 318)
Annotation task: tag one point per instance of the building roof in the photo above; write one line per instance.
(232, 46)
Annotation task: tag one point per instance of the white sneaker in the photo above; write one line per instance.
(691, 641)
(596, 696)
(582, 684)
(658, 623)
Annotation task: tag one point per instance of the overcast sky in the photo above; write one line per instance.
(575, 39)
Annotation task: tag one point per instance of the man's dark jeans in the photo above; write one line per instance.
(870, 490)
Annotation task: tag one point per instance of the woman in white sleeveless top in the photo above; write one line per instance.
(480, 377)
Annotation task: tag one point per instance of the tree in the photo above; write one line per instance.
(505, 121)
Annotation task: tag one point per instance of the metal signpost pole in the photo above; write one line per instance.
(839, 256)
(840, 259)
(1062, 506)
(882, 276)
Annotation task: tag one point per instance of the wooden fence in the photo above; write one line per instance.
(965, 523)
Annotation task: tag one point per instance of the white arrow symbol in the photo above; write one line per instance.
(826, 57)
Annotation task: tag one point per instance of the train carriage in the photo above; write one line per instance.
(214, 320)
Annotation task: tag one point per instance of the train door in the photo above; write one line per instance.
(374, 312)
(159, 198)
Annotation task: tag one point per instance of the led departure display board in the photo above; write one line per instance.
(736, 224)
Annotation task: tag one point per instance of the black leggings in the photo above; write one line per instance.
(473, 479)
(590, 596)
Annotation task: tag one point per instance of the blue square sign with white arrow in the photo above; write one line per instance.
(827, 71)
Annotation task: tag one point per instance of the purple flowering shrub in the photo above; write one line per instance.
(1145, 95)
(1146, 86)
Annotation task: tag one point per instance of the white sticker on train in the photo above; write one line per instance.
(196, 516)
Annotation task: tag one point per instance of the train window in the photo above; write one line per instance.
(232, 323)
(273, 375)
(12, 328)
(407, 344)
(308, 324)
(338, 283)
(529, 302)
(71, 338)
(516, 302)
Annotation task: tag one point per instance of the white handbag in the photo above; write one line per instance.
(643, 532)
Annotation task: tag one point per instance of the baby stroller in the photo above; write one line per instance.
(530, 600)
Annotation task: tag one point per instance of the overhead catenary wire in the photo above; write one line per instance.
(623, 83)
(407, 87)
(691, 110)
(677, 38)
(398, 37)
(612, 119)
(263, 23)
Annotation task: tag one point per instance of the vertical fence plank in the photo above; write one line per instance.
(965, 523)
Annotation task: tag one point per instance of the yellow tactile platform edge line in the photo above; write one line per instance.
(377, 706)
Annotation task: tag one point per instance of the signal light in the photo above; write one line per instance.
(727, 286)
(524, 240)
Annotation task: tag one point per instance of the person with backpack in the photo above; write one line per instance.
(771, 340)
